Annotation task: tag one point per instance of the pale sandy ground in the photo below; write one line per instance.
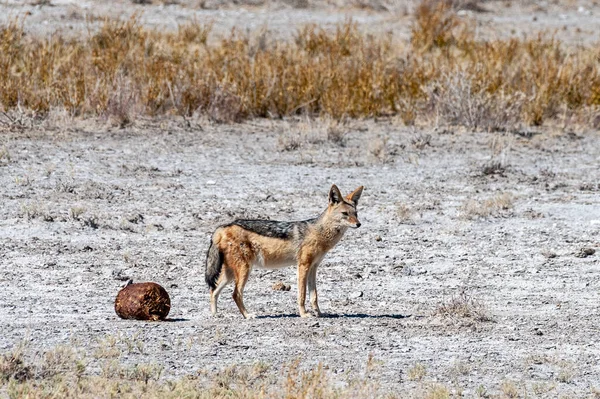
(154, 193)
(576, 22)
(86, 187)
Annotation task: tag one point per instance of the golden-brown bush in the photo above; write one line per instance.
(124, 69)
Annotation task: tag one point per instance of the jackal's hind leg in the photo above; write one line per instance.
(214, 294)
(238, 292)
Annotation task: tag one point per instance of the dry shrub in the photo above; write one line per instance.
(416, 373)
(122, 103)
(225, 107)
(5, 157)
(510, 389)
(436, 25)
(464, 306)
(17, 119)
(455, 101)
(494, 206)
(12, 366)
(123, 70)
(406, 213)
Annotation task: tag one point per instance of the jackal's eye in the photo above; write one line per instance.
(345, 213)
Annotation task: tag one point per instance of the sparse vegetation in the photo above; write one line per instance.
(406, 213)
(417, 372)
(124, 70)
(12, 366)
(566, 372)
(32, 210)
(437, 391)
(509, 389)
(4, 155)
(64, 370)
(495, 206)
(464, 306)
(76, 211)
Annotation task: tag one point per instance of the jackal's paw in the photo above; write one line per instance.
(306, 315)
(318, 313)
(250, 316)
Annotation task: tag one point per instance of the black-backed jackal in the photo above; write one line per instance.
(239, 246)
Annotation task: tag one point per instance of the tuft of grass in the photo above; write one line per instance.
(436, 25)
(417, 372)
(509, 389)
(493, 206)
(76, 211)
(13, 367)
(33, 210)
(464, 306)
(437, 391)
(566, 372)
(406, 213)
(5, 157)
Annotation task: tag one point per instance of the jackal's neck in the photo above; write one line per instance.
(327, 229)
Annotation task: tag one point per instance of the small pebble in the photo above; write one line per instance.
(585, 252)
(356, 294)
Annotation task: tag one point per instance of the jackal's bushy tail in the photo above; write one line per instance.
(214, 263)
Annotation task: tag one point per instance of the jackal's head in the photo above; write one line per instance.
(342, 211)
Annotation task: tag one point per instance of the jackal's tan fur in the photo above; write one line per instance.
(237, 247)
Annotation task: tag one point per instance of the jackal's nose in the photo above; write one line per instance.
(357, 224)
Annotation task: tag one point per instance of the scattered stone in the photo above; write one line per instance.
(377, 238)
(410, 271)
(280, 286)
(549, 254)
(118, 274)
(355, 294)
(585, 252)
(493, 168)
(135, 218)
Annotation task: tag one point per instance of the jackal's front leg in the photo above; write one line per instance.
(303, 271)
(312, 289)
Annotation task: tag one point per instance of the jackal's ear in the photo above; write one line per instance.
(354, 196)
(334, 195)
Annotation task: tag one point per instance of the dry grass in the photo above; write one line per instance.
(13, 367)
(510, 390)
(496, 206)
(405, 213)
(417, 372)
(124, 70)
(66, 371)
(63, 372)
(464, 306)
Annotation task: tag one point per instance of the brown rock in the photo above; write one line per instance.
(143, 301)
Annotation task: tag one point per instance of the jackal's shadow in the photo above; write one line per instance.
(338, 316)
(364, 316)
